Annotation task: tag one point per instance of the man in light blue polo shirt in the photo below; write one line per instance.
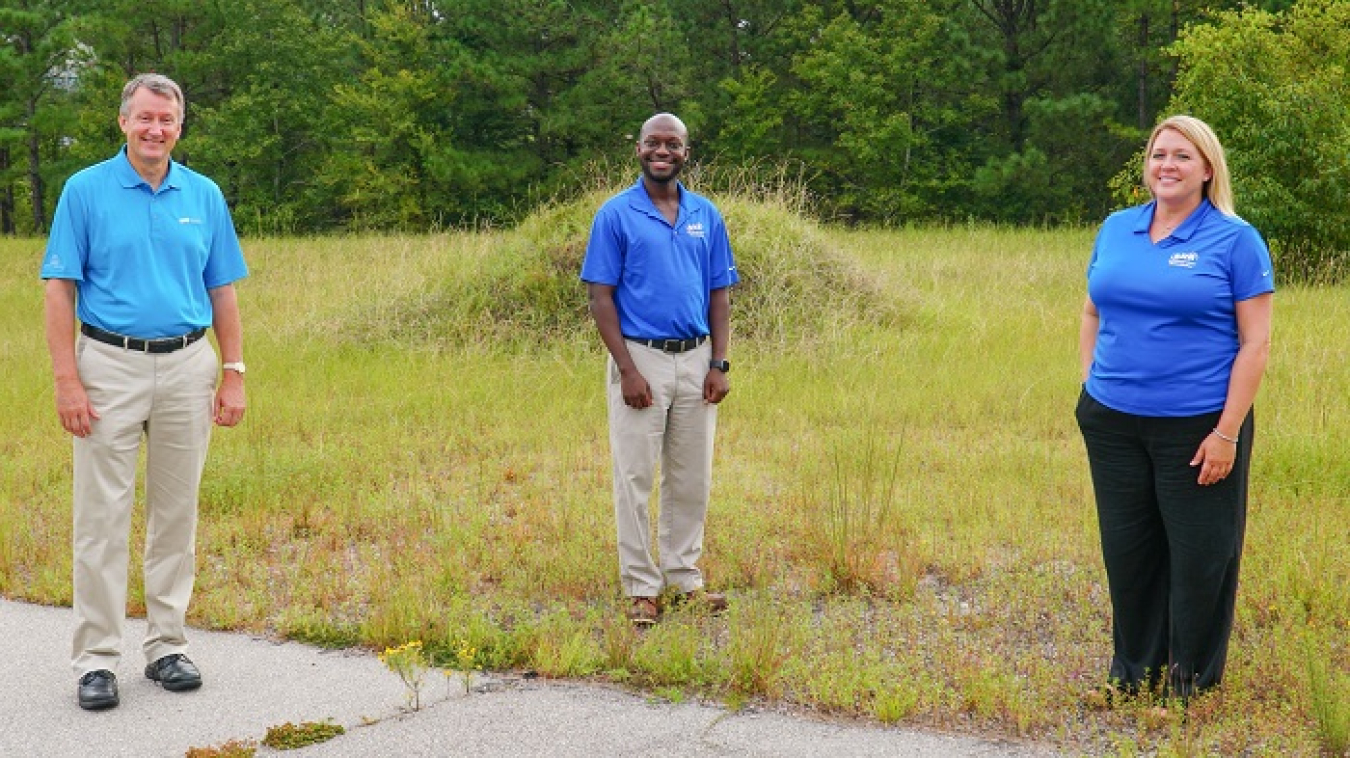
(144, 253)
(658, 267)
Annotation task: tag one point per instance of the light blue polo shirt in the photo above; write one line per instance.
(143, 261)
(1168, 334)
(662, 274)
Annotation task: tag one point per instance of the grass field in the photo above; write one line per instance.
(902, 515)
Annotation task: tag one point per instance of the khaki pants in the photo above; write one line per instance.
(677, 431)
(167, 400)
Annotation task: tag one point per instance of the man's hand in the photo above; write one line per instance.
(637, 393)
(715, 386)
(229, 409)
(72, 406)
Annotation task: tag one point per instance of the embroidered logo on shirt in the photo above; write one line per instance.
(694, 229)
(1183, 260)
(189, 220)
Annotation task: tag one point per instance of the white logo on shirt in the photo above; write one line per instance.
(1183, 260)
(189, 220)
(694, 229)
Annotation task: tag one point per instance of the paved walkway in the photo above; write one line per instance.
(252, 684)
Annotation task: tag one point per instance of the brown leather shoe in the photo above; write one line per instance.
(643, 611)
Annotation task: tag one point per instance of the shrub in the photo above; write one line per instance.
(1273, 86)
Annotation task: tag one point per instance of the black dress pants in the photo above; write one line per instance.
(1171, 546)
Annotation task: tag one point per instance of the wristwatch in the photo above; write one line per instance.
(238, 367)
(723, 365)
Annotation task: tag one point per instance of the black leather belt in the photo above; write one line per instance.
(671, 346)
(164, 345)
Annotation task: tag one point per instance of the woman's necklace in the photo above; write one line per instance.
(1162, 228)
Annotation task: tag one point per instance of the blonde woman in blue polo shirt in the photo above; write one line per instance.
(144, 253)
(658, 268)
(1174, 341)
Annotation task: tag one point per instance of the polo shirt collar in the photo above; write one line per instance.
(646, 205)
(1184, 230)
(126, 173)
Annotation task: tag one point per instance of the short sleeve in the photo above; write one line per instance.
(722, 263)
(68, 241)
(225, 263)
(603, 263)
(1250, 266)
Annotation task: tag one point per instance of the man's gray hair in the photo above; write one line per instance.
(157, 83)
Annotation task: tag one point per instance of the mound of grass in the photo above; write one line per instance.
(526, 287)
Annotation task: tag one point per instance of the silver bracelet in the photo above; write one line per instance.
(1224, 437)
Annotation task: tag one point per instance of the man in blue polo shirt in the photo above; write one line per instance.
(143, 251)
(658, 267)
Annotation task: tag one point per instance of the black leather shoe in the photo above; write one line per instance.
(175, 673)
(98, 690)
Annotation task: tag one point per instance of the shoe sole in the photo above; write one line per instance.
(99, 705)
(178, 686)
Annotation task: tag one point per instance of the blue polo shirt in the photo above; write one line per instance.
(143, 261)
(1168, 334)
(662, 274)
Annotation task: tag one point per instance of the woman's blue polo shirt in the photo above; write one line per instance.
(143, 261)
(662, 274)
(1168, 331)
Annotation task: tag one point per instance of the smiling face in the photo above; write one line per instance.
(1176, 170)
(152, 123)
(662, 148)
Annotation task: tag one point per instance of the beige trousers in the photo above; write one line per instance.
(165, 400)
(677, 432)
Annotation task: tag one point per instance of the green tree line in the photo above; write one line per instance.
(321, 115)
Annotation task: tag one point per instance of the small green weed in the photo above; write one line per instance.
(411, 665)
(231, 749)
(1329, 691)
(466, 657)
(670, 694)
(895, 703)
(861, 521)
(670, 654)
(290, 736)
(760, 639)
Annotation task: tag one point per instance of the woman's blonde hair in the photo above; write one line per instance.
(1219, 188)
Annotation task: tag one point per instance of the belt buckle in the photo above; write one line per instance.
(666, 346)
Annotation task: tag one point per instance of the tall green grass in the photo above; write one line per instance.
(901, 516)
